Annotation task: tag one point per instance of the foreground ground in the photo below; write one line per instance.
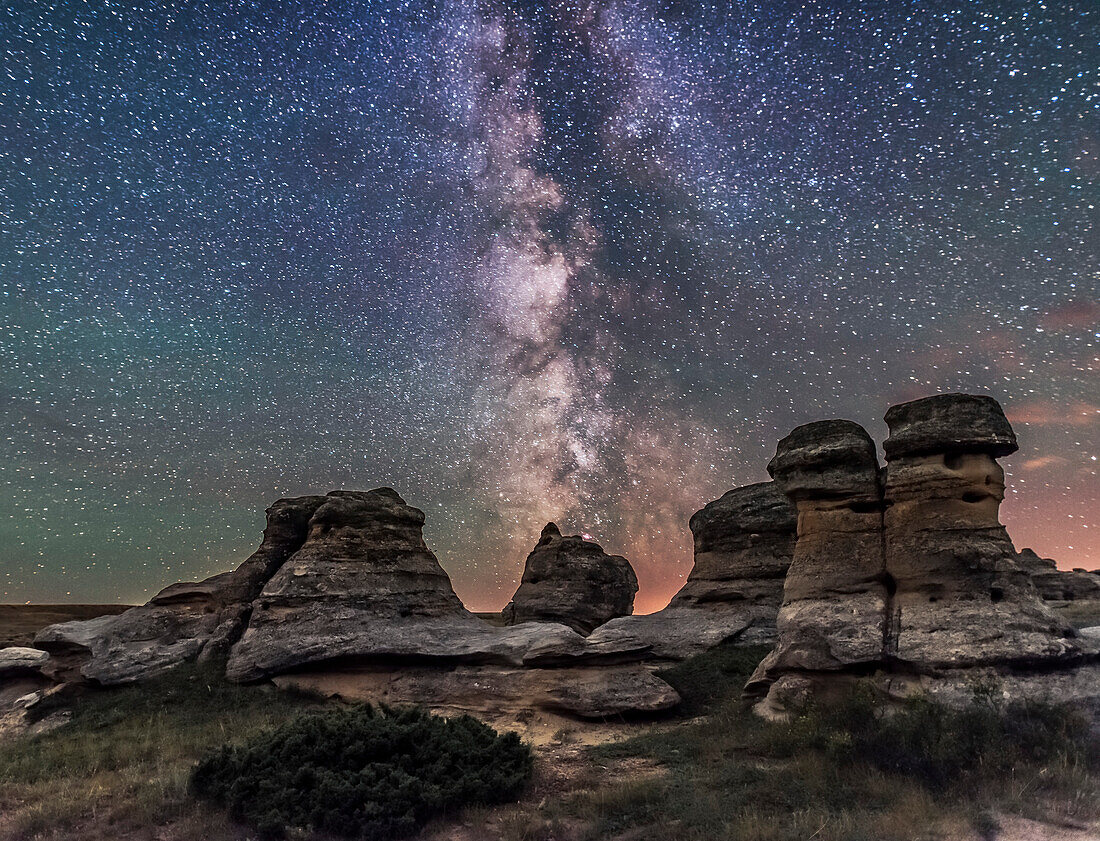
(115, 765)
(118, 769)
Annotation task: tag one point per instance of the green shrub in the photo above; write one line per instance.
(942, 747)
(363, 772)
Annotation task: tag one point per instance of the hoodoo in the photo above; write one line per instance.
(915, 581)
(834, 597)
(962, 598)
(572, 581)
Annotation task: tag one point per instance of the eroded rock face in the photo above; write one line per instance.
(834, 597)
(493, 690)
(1056, 585)
(364, 583)
(182, 623)
(744, 542)
(961, 598)
(572, 581)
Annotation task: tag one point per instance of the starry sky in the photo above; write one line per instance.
(522, 261)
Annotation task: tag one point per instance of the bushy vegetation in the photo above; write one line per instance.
(940, 747)
(363, 772)
(123, 760)
(857, 768)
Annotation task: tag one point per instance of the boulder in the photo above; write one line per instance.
(572, 581)
(17, 660)
(962, 599)
(184, 622)
(835, 594)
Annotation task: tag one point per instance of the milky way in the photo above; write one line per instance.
(523, 261)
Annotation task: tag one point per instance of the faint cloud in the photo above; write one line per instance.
(1051, 413)
(1074, 315)
(1044, 461)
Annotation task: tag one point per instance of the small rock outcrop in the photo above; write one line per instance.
(182, 623)
(572, 581)
(1056, 585)
(835, 594)
(17, 661)
(961, 598)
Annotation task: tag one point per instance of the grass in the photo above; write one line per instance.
(853, 771)
(119, 768)
(123, 760)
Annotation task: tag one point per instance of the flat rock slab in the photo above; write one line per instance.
(342, 633)
(584, 692)
(19, 660)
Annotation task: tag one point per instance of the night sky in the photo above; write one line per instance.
(523, 261)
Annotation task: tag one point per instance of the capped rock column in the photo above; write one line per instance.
(570, 580)
(835, 596)
(962, 597)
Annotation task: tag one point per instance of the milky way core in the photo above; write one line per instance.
(571, 261)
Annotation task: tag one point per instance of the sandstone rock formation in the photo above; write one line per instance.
(915, 582)
(182, 623)
(364, 603)
(744, 542)
(362, 583)
(339, 581)
(835, 594)
(743, 546)
(572, 581)
(961, 598)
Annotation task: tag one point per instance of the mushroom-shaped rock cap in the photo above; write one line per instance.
(762, 508)
(826, 458)
(949, 423)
